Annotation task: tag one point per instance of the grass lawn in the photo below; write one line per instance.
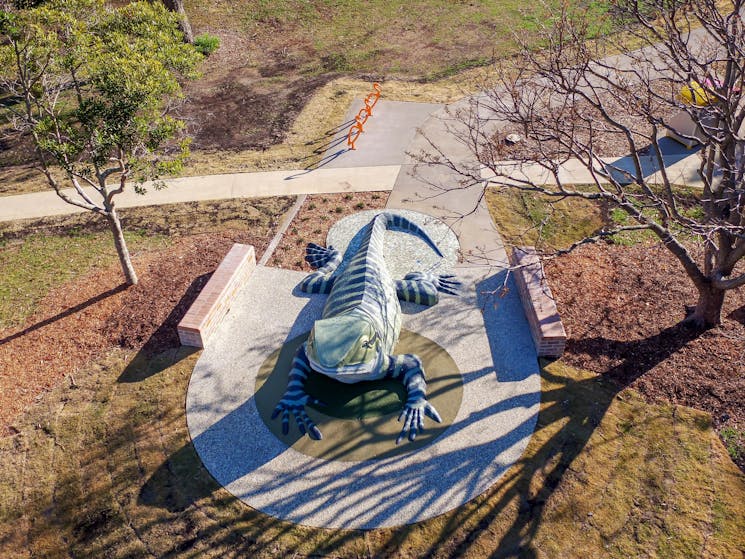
(426, 38)
(31, 268)
(528, 218)
(106, 467)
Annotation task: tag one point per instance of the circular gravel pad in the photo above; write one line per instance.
(404, 252)
(497, 412)
(359, 420)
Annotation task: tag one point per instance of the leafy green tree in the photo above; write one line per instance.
(95, 86)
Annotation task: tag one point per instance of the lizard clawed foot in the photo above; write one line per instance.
(304, 423)
(413, 418)
(318, 256)
(446, 283)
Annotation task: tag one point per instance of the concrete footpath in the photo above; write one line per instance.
(215, 187)
(681, 168)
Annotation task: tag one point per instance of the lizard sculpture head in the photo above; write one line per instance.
(343, 345)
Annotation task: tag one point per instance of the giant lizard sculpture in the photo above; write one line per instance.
(360, 325)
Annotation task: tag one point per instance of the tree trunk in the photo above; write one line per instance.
(121, 247)
(177, 6)
(708, 310)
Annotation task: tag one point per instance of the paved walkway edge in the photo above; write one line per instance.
(289, 217)
(216, 187)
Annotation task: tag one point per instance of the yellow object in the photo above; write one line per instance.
(695, 94)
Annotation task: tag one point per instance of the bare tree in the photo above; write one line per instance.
(572, 99)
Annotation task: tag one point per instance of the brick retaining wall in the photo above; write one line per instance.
(213, 302)
(546, 328)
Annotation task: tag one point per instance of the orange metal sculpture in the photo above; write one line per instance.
(361, 118)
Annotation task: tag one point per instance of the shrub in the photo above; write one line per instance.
(206, 43)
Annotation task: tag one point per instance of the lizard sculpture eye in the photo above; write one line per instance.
(369, 342)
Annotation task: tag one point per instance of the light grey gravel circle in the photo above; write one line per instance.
(488, 339)
(404, 252)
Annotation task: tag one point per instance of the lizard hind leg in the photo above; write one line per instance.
(422, 288)
(325, 261)
(319, 257)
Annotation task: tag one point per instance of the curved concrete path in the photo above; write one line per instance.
(491, 347)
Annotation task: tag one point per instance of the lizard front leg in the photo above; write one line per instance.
(408, 368)
(295, 398)
(325, 261)
(421, 288)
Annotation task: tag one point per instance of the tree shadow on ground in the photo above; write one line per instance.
(177, 509)
(571, 411)
(738, 315)
(577, 408)
(68, 312)
(164, 338)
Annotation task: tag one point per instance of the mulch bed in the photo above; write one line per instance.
(77, 323)
(313, 221)
(622, 308)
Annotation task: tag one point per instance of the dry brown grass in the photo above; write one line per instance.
(105, 467)
(531, 219)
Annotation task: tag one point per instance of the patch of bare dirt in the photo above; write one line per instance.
(248, 97)
(622, 308)
(238, 113)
